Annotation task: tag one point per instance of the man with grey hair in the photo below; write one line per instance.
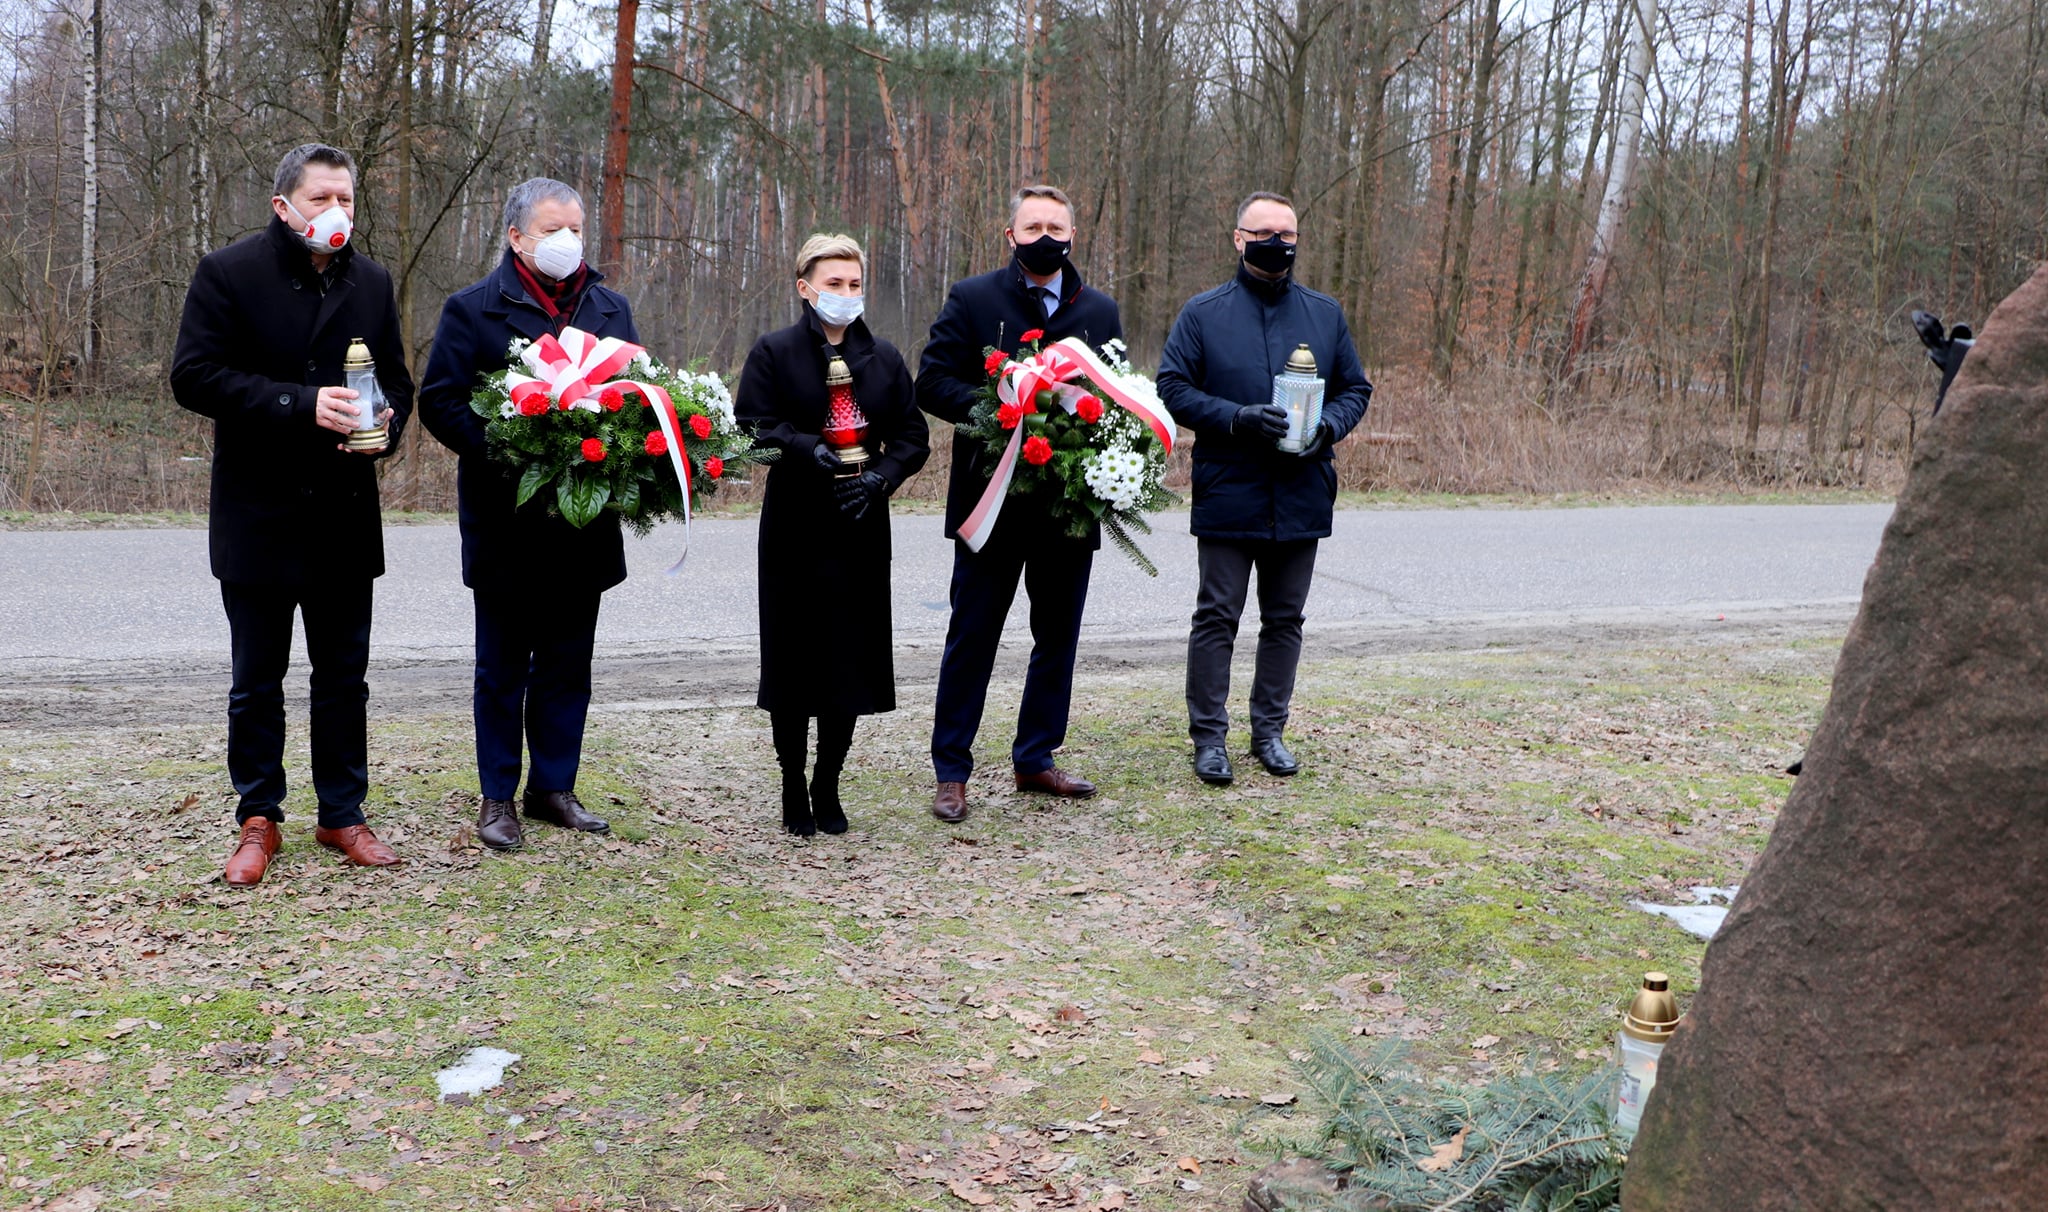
(293, 526)
(536, 579)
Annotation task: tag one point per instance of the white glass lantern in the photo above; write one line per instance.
(1300, 392)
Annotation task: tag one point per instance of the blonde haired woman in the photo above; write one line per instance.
(824, 548)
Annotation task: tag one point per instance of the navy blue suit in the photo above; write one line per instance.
(994, 309)
(1255, 507)
(535, 578)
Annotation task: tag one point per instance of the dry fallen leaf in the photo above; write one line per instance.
(1276, 1100)
(1486, 1041)
(1193, 1165)
(1229, 1092)
(1151, 1057)
(969, 1192)
(372, 1183)
(1444, 1156)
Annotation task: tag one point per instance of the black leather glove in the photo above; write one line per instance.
(856, 493)
(827, 461)
(1268, 421)
(1317, 439)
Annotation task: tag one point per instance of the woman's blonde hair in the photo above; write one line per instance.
(836, 246)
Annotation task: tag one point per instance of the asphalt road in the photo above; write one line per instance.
(102, 608)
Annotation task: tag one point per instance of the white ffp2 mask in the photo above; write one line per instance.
(327, 232)
(558, 253)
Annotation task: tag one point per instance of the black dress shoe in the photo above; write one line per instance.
(1273, 755)
(564, 809)
(497, 826)
(1212, 765)
(796, 805)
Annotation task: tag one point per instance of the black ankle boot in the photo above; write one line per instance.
(825, 802)
(796, 805)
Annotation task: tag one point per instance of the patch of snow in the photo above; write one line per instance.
(477, 1071)
(1703, 917)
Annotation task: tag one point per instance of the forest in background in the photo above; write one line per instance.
(1792, 178)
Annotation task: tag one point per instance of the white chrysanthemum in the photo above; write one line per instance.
(1116, 476)
(508, 409)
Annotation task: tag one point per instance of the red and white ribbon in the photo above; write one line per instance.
(570, 370)
(1050, 370)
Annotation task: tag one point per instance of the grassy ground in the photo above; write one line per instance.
(1058, 1005)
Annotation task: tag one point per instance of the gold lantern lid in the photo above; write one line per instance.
(836, 373)
(1301, 361)
(1653, 1014)
(358, 356)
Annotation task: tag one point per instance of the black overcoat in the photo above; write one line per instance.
(1222, 354)
(257, 342)
(506, 549)
(826, 640)
(994, 310)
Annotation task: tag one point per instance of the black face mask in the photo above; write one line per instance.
(1271, 255)
(1044, 255)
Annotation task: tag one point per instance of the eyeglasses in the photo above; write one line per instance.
(1286, 237)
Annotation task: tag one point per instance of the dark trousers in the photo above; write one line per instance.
(337, 619)
(532, 667)
(1285, 570)
(1055, 576)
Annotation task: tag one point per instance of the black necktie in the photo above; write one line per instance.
(1044, 296)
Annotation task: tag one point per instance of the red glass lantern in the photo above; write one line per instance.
(846, 426)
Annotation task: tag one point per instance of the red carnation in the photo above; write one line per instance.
(700, 425)
(993, 364)
(612, 399)
(1032, 335)
(533, 404)
(657, 444)
(1037, 451)
(1008, 415)
(593, 450)
(1089, 409)
(714, 467)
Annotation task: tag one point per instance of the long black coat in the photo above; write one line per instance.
(257, 342)
(994, 309)
(506, 549)
(1222, 354)
(826, 640)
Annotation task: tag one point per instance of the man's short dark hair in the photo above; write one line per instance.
(1053, 192)
(1262, 195)
(291, 170)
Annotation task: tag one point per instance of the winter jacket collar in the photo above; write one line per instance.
(1070, 282)
(1266, 290)
(507, 299)
(858, 341)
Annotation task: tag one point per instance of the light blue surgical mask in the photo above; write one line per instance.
(838, 310)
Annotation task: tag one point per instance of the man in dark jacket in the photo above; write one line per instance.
(536, 579)
(293, 522)
(1038, 289)
(1256, 505)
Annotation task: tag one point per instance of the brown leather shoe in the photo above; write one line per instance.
(950, 804)
(1056, 782)
(358, 845)
(260, 841)
(497, 826)
(564, 809)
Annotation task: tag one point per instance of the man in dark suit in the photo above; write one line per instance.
(1038, 289)
(293, 523)
(536, 579)
(1256, 505)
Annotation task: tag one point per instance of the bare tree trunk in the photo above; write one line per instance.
(89, 209)
(1451, 306)
(612, 224)
(906, 178)
(543, 29)
(202, 129)
(1621, 180)
(335, 21)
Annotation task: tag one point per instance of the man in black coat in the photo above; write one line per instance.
(293, 523)
(1255, 504)
(1038, 289)
(536, 579)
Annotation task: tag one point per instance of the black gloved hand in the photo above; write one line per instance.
(1268, 421)
(827, 461)
(856, 493)
(1317, 439)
